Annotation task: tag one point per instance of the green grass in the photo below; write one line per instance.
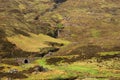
(35, 42)
(95, 33)
(65, 70)
(109, 53)
(78, 69)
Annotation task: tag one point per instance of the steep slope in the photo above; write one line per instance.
(15, 15)
(83, 22)
(90, 22)
(20, 31)
(92, 26)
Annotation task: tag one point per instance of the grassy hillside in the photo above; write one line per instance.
(73, 39)
(18, 20)
(35, 42)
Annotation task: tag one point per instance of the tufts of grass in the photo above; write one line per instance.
(95, 33)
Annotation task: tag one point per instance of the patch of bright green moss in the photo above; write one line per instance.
(109, 53)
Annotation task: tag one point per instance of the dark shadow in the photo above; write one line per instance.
(46, 51)
(21, 32)
(26, 61)
(37, 17)
(59, 1)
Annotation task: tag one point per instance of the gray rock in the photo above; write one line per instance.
(13, 71)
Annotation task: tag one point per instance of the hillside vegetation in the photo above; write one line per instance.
(60, 39)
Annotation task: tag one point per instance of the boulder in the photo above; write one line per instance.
(39, 69)
(36, 69)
